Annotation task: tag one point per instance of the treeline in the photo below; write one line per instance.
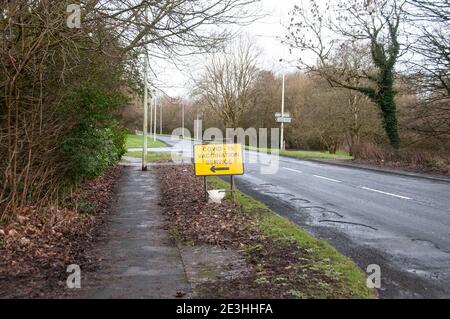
(324, 118)
(375, 83)
(64, 73)
(60, 87)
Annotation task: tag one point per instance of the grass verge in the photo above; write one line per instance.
(306, 154)
(137, 141)
(151, 156)
(322, 256)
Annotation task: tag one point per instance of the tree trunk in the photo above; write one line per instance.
(386, 101)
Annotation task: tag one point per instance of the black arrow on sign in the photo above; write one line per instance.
(215, 169)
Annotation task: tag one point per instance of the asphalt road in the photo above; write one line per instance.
(401, 223)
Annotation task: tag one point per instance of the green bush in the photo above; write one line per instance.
(96, 140)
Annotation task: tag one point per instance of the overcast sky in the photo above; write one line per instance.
(266, 33)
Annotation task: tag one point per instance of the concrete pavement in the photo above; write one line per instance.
(138, 257)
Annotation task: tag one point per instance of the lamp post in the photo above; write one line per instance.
(161, 119)
(199, 127)
(145, 128)
(155, 112)
(151, 113)
(182, 117)
(282, 112)
(282, 144)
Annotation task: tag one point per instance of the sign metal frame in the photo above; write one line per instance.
(219, 169)
(205, 177)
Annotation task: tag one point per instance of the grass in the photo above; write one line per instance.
(307, 154)
(151, 156)
(314, 154)
(352, 280)
(137, 141)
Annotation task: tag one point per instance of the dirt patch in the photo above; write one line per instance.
(199, 222)
(37, 247)
(205, 264)
(275, 268)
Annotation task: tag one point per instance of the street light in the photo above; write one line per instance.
(145, 128)
(198, 127)
(282, 144)
(151, 112)
(156, 112)
(182, 117)
(161, 119)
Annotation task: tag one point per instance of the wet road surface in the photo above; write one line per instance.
(401, 223)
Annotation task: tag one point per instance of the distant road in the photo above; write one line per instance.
(401, 223)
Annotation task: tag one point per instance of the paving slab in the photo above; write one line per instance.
(138, 259)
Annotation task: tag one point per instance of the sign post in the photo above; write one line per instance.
(283, 118)
(218, 160)
(205, 184)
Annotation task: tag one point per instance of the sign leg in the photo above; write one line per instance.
(233, 189)
(205, 182)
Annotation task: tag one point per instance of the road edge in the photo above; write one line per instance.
(381, 170)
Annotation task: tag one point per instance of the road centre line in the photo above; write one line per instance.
(328, 179)
(385, 193)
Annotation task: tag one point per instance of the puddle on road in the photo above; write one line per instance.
(280, 194)
(425, 243)
(300, 200)
(423, 273)
(316, 213)
(346, 224)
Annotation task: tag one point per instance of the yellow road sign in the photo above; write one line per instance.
(218, 160)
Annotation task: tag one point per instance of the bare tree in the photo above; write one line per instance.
(171, 28)
(227, 81)
(42, 61)
(430, 65)
(266, 93)
(321, 30)
(327, 118)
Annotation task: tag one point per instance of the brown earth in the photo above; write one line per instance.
(278, 268)
(37, 247)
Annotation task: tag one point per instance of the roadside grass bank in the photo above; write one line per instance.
(38, 245)
(340, 155)
(409, 159)
(137, 141)
(283, 261)
(151, 156)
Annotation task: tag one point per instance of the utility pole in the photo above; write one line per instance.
(151, 113)
(282, 113)
(182, 117)
(161, 119)
(145, 147)
(197, 128)
(156, 112)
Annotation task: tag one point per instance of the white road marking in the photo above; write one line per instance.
(385, 193)
(328, 179)
(293, 170)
